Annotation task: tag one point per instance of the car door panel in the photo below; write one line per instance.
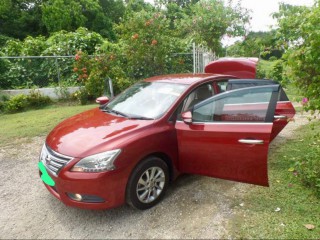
(233, 143)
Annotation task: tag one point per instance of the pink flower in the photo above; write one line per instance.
(304, 101)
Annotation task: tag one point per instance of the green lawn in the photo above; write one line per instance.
(33, 123)
(298, 204)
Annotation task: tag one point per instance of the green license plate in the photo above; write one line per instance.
(45, 176)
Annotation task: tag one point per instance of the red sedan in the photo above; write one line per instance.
(129, 149)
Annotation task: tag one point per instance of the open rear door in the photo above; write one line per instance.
(229, 135)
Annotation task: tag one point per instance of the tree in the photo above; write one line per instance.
(211, 20)
(149, 45)
(20, 18)
(300, 34)
(257, 44)
(69, 15)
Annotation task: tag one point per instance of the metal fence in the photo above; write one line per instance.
(201, 57)
(39, 71)
(55, 71)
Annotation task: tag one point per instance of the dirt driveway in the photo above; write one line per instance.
(194, 207)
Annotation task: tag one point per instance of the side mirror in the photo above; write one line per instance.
(102, 100)
(187, 117)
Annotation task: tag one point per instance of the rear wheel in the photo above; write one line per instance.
(148, 183)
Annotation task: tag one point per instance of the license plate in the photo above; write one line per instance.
(45, 176)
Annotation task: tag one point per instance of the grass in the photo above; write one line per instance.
(33, 123)
(298, 204)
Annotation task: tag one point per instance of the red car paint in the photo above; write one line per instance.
(207, 149)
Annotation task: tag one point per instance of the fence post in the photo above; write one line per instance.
(194, 57)
(58, 70)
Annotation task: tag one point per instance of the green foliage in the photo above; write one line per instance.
(37, 100)
(306, 165)
(149, 45)
(211, 20)
(277, 71)
(300, 33)
(44, 72)
(16, 104)
(22, 102)
(94, 72)
(68, 43)
(20, 18)
(82, 96)
(256, 44)
(69, 15)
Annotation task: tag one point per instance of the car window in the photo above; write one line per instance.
(246, 105)
(198, 95)
(222, 86)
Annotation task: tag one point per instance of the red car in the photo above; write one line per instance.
(129, 149)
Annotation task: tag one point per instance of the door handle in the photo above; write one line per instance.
(280, 117)
(251, 141)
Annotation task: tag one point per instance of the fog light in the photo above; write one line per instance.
(85, 198)
(75, 196)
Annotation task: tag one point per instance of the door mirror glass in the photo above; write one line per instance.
(187, 117)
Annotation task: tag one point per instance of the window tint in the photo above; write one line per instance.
(248, 105)
(222, 85)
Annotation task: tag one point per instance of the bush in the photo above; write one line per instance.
(82, 96)
(276, 71)
(23, 102)
(16, 104)
(304, 156)
(36, 100)
(309, 166)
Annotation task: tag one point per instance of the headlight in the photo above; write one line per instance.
(98, 162)
(43, 154)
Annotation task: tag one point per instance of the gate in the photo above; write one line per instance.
(201, 57)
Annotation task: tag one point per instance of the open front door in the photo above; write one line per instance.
(229, 135)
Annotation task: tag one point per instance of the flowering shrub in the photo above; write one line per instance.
(149, 46)
(93, 73)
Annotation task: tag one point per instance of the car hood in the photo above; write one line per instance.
(92, 132)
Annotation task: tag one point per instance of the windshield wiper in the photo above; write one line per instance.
(109, 110)
(141, 118)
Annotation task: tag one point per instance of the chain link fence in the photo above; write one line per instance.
(36, 71)
(26, 72)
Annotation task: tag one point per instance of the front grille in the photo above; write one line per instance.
(53, 161)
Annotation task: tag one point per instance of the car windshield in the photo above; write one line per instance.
(146, 100)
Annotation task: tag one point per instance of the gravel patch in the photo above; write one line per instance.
(194, 207)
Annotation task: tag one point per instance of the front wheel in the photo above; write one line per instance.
(148, 183)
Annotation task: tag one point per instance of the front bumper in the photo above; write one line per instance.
(110, 187)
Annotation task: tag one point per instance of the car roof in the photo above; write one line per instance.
(187, 78)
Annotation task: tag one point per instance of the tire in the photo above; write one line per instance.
(148, 183)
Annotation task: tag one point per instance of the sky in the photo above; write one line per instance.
(262, 9)
(261, 14)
